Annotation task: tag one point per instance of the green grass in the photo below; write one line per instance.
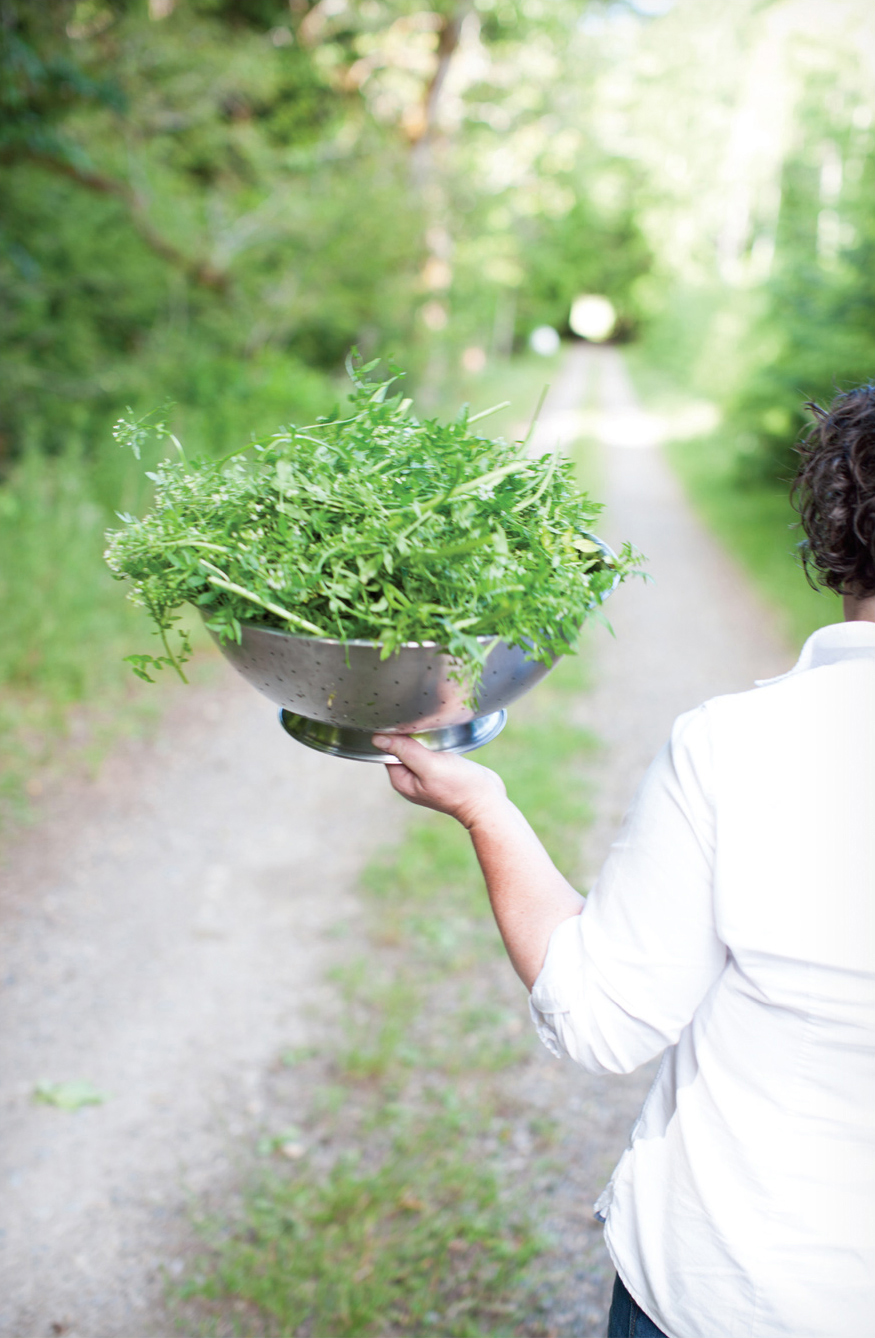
(756, 524)
(66, 627)
(754, 521)
(422, 1242)
(66, 622)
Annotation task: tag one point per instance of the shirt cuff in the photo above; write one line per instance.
(556, 984)
(545, 1026)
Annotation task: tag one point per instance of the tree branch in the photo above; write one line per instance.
(449, 34)
(448, 40)
(201, 272)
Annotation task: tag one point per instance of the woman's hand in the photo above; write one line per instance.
(529, 896)
(442, 781)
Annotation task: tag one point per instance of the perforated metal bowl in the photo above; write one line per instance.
(334, 695)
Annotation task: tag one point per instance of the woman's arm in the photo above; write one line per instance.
(529, 896)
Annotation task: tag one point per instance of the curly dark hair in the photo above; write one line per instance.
(834, 493)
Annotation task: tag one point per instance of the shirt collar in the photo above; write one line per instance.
(829, 645)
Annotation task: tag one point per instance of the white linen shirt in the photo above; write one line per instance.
(734, 924)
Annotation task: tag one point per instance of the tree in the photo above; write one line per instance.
(206, 196)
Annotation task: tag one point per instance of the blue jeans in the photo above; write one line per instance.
(627, 1319)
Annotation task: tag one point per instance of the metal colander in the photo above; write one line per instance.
(333, 695)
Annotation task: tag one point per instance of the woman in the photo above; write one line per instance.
(733, 928)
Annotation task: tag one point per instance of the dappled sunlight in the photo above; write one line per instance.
(604, 407)
(629, 427)
(636, 428)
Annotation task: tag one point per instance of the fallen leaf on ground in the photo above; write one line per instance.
(411, 1204)
(69, 1095)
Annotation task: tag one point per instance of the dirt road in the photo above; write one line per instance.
(168, 928)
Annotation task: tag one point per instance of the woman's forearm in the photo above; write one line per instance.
(529, 896)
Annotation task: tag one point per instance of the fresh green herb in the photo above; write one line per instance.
(371, 526)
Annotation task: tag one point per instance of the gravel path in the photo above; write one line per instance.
(167, 929)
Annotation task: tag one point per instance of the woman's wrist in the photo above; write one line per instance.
(485, 812)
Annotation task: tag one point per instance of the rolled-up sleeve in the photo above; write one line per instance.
(622, 979)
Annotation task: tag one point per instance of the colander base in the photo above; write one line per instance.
(355, 744)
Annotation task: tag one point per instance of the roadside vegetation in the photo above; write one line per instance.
(758, 526)
(751, 515)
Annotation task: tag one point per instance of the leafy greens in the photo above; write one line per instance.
(373, 526)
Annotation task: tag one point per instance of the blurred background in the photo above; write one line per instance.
(210, 201)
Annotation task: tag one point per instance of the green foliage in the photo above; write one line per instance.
(757, 527)
(56, 603)
(199, 214)
(586, 250)
(280, 196)
(815, 323)
(41, 82)
(751, 130)
(374, 526)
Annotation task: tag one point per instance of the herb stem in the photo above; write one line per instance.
(486, 480)
(197, 543)
(241, 450)
(545, 483)
(171, 657)
(234, 589)
(178, 444)
(460, 490)
(484, 413)
(303, 436)
(536, 415)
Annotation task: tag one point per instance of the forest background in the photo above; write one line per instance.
(208, 202)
